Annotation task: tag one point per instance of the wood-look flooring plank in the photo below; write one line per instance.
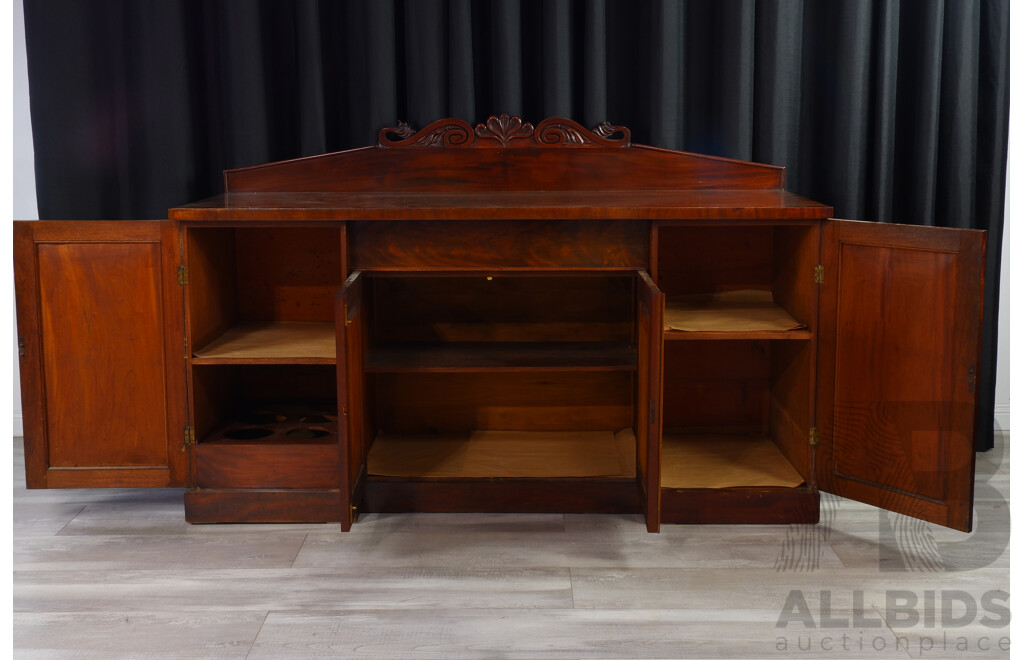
(290, 589)
(722, 546)
(126, 517)
(140, 496)
(660, 588)
(117, 553)
(455, 634)
(133, 634)
(478, 523)
(43, 518)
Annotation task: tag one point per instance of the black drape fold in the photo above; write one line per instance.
(894, 111)
(778, 35)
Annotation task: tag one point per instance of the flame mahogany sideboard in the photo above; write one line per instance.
(504, 317)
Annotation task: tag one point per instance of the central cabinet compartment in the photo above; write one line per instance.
(501, 392)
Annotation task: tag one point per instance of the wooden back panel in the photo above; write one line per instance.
(260, 274)
(503, 154)
(721, 385)
(495, 308)
(705, 259)
(511, 401)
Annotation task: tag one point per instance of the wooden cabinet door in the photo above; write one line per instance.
(101, 337)
(650, 330)
(350, 326)
(900, 314)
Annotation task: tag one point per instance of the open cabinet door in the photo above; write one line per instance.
(650, 328)
(102, 355)
(350, 326)
(900, 312)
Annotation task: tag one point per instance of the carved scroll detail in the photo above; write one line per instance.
(559, 131)
(504, 131)
(442, 133)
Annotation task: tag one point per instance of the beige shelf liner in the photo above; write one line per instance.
(273, 340)
(724, 461)
(728, 311)
(484, 454)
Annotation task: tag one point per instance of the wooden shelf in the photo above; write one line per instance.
(502, 356)
(724, 461)
(271, 343)
(746, 314)
(278, 423)
(675, 335)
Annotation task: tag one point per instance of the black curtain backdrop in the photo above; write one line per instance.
(894, 111)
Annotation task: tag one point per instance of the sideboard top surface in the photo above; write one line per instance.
(526, 205)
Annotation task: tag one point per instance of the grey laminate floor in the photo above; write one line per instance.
(119, 574)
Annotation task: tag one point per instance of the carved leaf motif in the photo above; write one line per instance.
(607, 131)
(398, 133)
(504, 128)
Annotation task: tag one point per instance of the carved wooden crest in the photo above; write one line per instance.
(504, 131)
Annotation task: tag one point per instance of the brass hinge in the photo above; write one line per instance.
(21, 348)
(813, 435)
(353, 514)
(182, 275)
(190, 436)
(819, 274)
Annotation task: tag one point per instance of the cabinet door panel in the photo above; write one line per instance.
(899, 341)
(350, 326)
(103, 370)
(650, 329)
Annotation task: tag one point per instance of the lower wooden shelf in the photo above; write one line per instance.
(739, 506)
(503, 472)
(731, 479)
(272, 444)
(724, 461)
(533, 495)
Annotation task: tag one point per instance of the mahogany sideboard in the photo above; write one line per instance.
(508, 318)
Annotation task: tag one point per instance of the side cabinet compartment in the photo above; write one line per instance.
(738, 344)
(263, 384)
(101, 344)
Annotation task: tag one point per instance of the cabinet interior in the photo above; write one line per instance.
(260, 329)
(262, 293)
(504, 375)
(265, 403)
(737, 391)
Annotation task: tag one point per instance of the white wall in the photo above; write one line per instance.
(1003, 348)
(24, 193)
